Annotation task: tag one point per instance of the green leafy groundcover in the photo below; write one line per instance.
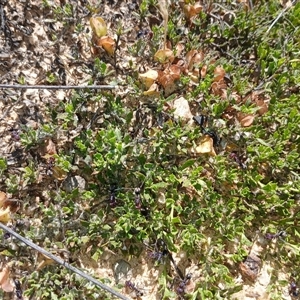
(142, 182)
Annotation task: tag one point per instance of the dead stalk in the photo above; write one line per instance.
(57, 87)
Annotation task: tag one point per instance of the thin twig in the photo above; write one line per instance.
(163, 7)
(280, 15)
(178, 271)
(57, 87)
(62, 262)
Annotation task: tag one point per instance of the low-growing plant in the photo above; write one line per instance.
(124, 172)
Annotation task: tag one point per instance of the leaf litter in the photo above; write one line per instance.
(52, 47)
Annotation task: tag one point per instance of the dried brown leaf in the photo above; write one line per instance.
(3, 198)
(196, 73)
(164, 56)
(261, 102)
(5, 281)
(168, 78)
(194, 76)
(174, 71)
(5, 215)
(94, 51)
(98, 26)
(205, 146)
(44, 261)
(189, 58)
(152, 91)
(178, 49)
(148, 78)
(244, 4)
(194, 58)
(203, 71)
(219, 74)
(12, 204)
(229, 112)
(218, 88)
(198, 58)
(245, 120)
(191, 11)
(165, 79)
(263, 106)
(50, 147)
(182, 65)
(107, 43)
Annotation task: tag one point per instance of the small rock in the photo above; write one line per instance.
(250, 267)
(121, 270)
(182, 109)
(74, 182)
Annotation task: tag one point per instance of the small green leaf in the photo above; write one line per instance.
(187, 164)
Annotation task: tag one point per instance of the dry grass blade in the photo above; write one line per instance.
(163, 7)
(280, 15)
